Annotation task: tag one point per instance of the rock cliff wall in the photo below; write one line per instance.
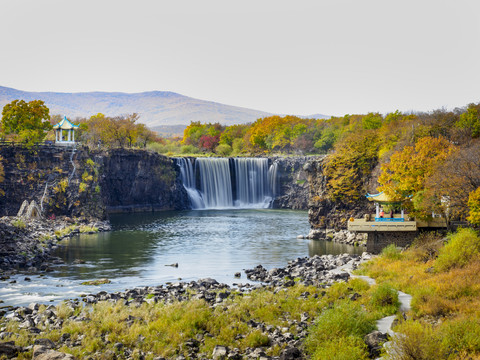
(84, 183)
(135, 180)
(292, 182)
(322, 212)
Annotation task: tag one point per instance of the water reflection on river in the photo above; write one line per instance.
(204, 244)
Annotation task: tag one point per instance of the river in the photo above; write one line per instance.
(137, 252)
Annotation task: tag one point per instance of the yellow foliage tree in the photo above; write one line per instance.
(474, 207)
(407, 172)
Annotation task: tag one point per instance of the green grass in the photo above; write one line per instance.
(19, 223)
(339, 332)
(87, 229)
(459, 250)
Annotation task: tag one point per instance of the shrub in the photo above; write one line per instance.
(19, 223)
(426, 246)
(416, 341)
(157, 147)
(343, 348)
(345, 319)
(256, 339)
(82, 187)
(385, 299)
(223, 149)
(461, 248)
(391, 252)
(188, 149)
(462, 335)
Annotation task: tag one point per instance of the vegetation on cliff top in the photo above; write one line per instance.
(25, 121)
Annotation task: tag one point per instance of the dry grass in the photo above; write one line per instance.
(444, 323)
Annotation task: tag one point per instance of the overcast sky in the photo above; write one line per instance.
(294, 57)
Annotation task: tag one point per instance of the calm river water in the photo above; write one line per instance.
(203, 243)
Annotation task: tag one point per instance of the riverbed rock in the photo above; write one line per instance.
(220, 352)
(9, 350)
(374, 341)
(41, 352)
(291, 354)
(314, 270)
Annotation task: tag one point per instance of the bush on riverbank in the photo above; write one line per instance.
(460, 249)
(445, 319)
(340, 328)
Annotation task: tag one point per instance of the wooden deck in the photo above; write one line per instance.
(361, 225)
(396, 224)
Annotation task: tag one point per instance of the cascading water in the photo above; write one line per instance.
(272, 179)
(228, 183)
(251, 179)
(187, 174)
(215, 182)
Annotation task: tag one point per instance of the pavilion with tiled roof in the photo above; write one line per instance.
(65, 127)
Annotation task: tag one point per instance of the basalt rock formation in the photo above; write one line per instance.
(292, 182)
(88, 183)
(323, 213)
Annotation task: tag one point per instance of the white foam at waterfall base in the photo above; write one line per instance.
(195, 198)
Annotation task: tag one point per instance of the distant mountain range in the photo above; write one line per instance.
(157, 109)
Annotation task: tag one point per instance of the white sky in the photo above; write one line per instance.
(297, 57)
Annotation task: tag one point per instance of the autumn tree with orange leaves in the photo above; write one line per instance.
(408, 170)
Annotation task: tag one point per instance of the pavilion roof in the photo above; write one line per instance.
(382, 198)
(65, 124)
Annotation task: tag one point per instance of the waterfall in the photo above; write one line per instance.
(273, 179)
(187, 173)
(251, 179)
(216, 183)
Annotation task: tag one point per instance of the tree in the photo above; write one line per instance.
(372, 121)
(474, 207)
(144, 135)
(27, 122)
(348, 168)
(455, 179)
(406, 173)
(209, 142)
(470, 120)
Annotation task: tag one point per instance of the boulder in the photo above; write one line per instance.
(374, 342)
(41, 352)
(291, 354)
(9, 350)
(219, 352)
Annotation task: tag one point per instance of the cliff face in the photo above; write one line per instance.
(292, 188)
(322, 212)
(139, 180)
(84, 183)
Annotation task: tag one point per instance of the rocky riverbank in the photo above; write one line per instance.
(26, 244)
(340, 236)
(318, 272)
